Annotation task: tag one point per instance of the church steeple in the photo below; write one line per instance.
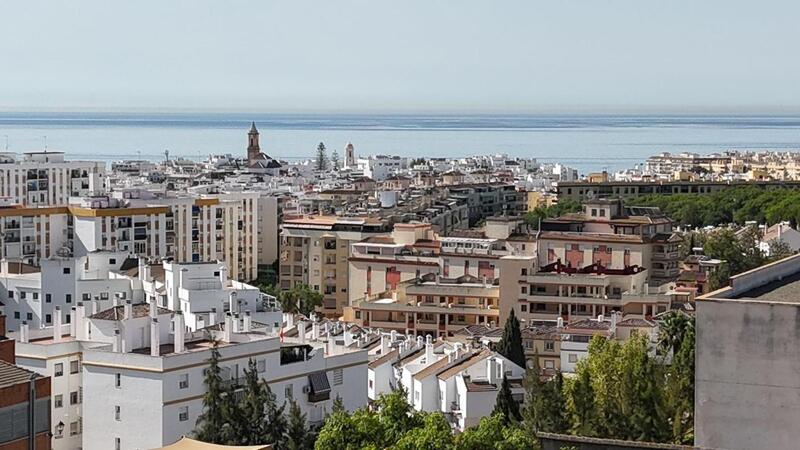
(253, 149)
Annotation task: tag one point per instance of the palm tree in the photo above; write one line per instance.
(672, 330)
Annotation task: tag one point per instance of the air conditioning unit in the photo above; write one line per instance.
(306, 389)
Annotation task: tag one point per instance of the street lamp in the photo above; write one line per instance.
(59, 429)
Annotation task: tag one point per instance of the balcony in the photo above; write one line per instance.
(665, 256)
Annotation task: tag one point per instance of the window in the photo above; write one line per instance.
(36, 296)
(183, 414)
(523, 307)
(594, 212)
(29, 316)
(370, 384)
(548, 364)
(74, 366)
(59, 369)
(86, 296)
(573, 358)
(16, 314)
(73, 398)
(523, 289)
(104, 296)
(603, 212)
(216, 274)
(112, 260)
(58, 401)
(68, 298)
(48, 298)
(117, 380)
(183, 382)
(48, 318)
(22, 294)
(117, 444)
(117, 413)
(523, 271)
(549, 346)
(261, 365)
(73, 428)
(66, 270)
(338, 377)
(10, 294)
(288, 391)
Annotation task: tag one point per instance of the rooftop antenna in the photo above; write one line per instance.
(166, 154)
(45, 143)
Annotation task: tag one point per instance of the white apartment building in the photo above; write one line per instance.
(268, 242)
(462, 383)
(380, 167)
(33, 295)
(125, 369)
(46, 179)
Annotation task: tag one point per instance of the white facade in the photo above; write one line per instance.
(45, 179)
(380, 167)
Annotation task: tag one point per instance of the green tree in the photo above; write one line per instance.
(510, 344)
(321, 162)
(544, 402)
(433, 434)
(274, 419)
(211, 422)
(250, 427)
(300, 299)
(580, 402)
(491, 433)
(298, 435)
(779, 249)
(396, 414)
(671, 331)
(335, 160)
(679, 389)
(505, 405)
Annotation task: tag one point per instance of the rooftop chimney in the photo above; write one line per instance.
(74, 322)
(153, 308)
(95, 306)
(491, 370)
(420, 340)
(155, 338)
(428, 349)
(57, 324)
(560, 322)
(301, 331)
(212, 317)
(248, 322)
(80, 322)
(385, 343)
(128, 310)
(236, 323)
(315, 330)
(116, 346)
(23, 332)
(228, 330)
(180, 329)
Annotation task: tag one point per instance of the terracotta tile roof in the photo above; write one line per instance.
(636, 322)
(118, 312)
(11, 374)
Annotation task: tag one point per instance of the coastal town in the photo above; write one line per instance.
(139, 302)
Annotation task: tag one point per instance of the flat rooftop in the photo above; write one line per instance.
(785, 290)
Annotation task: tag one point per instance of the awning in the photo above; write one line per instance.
(319, 383)
(190, 444)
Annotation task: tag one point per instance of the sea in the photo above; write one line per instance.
(587, 142)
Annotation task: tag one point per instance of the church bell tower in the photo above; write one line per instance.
(253, 149)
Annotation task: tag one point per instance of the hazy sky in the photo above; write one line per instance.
(401, 55)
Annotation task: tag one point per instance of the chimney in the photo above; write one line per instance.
(248, 322)
(57, 324)
(128, 310)
(180, 329)
(116, 346)
(348, 337)
(613, 321)
(228, 331)
(95, 306)
(24, 332)
(428, 349)
(600, 318)
(115, 301)
(384, 344)
(301, 331)
(155, 338)
(560, 322)
(393, 335)
(315, 330)
(223, 279)
(420, 340)
(80, 322)
(212, 317)
(142, 274)
(236, 323)
(491, 370)
(153, 308)
(74, 322)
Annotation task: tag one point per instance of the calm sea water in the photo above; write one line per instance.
(588, 142)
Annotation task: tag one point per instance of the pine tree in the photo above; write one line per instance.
(210, 425)
(335, 160)
(252, 431)
(510, 344)
(322, 158)
(298, 436)
(274, 420)
(505, 404)
(581, 403)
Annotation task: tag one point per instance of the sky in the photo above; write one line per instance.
(409, 55)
